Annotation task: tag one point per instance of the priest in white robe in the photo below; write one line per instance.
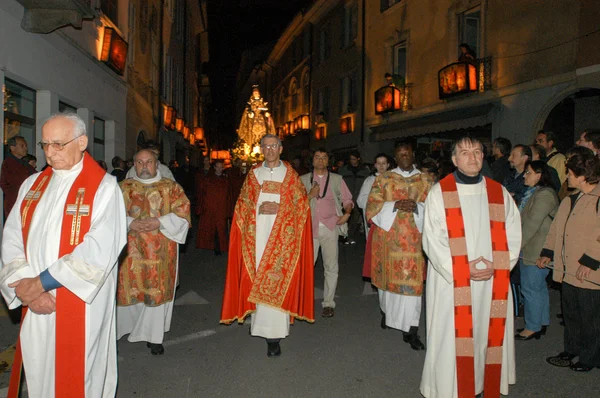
(270, 263)
(158, 219)
(443, 373)
(60, 248)
(395, 207)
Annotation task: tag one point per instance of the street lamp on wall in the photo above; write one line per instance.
(179, 124)
(457, 78)
(388, 99)
(114, 50)
(168, 115)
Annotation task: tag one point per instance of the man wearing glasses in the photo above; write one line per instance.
(59, 255)
(270, 265)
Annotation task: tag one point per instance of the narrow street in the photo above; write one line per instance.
(348, 355)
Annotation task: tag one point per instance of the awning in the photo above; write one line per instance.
(449, 120)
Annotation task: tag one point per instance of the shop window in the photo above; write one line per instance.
(19, 112)
(469, 30)
(99, 131)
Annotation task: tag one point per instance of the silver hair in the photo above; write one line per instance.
(262, 140)
(147, 150)
(78, 123)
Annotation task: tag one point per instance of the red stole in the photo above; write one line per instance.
(70, 310)
(463, 319)
(285, 276)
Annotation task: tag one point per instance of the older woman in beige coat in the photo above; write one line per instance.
(536, 218)
(574, 243)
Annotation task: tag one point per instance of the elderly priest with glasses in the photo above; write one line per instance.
(59, 253)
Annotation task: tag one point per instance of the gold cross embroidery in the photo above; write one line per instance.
(33, 195)
(77, 210)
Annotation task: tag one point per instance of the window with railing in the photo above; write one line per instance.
(469, 31)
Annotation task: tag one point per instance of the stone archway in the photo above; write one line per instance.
(570, 114)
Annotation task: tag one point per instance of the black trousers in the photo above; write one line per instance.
(581, 313)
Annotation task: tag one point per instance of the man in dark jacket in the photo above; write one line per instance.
(118, 165)
(354, 174)
(15, 170)
(501, 150)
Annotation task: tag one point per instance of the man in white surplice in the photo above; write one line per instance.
(158, 216)
(395, 206)
(439, 373)
(33, 272)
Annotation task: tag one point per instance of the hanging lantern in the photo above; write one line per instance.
(179, 124)
(457, 78)
(192, 138)
(304, 122)
(114, 50)
(321, 132)
(186, 133)
(199, 133)
(388, 99)
(347, 124)
(168, 115)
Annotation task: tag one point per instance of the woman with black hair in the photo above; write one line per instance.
(537, 207)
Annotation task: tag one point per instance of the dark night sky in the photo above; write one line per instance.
(233, 29)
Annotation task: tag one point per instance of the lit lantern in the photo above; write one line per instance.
(286, 129)
(280, 133)
(302, 122)
(291, 128)
(179, 123)
(114, 50)
(192, 137)
(186, 133)
(388, 99)
(169, 116)
(347, 124)
(199, 133)
(321, 132)
(457, 78)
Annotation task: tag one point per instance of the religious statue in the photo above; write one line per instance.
(256, 120)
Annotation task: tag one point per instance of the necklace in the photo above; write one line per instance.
(326, 185)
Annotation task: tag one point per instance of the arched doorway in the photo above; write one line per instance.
(572, 115)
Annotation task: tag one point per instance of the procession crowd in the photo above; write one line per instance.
(93, 257)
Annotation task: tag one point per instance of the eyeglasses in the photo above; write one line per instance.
(55, 145)
(271, 146)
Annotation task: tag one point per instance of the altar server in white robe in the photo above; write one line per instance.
(60, 261)
(382, 164)
(439, 378)
(158, 218)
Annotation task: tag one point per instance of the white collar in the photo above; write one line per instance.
(75, 169)
(413, 172)
(152, 180)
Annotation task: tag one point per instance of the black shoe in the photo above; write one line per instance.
(383, 325)
(562, 360)
(413, 339)
(156, 349)
(581, 367)
(534, 335)
(543, 331)
(273, 349)
(416, 344)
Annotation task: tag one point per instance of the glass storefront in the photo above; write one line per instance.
(19, 112)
